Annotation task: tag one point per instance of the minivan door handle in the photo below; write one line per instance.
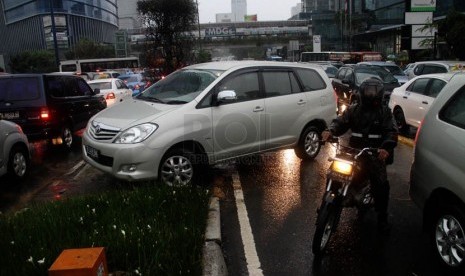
(405, 97)
(301, 102)
(258, 109)
(424, 102)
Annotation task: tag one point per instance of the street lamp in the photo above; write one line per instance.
(54, 33)
(198, 24)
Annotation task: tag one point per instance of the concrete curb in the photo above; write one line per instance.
(406, 141)
(213, 259)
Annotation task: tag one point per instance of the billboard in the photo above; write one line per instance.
(219, 31)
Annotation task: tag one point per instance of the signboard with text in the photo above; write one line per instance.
(220, 31)
(423, 5)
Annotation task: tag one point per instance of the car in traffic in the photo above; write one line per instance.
(437, 176)
(49, 106)
(105, 75)
(395, 70)
(114, 90)
(14, 150)
(410, 102)
(349, 77)
(436, 66)
(136, 82)
(211, 112)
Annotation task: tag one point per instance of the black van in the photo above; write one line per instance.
(49, 106)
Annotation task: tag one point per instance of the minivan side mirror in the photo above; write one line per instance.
(97, 91)
(226, 96)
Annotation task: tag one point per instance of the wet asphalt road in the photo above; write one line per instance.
(282, 194)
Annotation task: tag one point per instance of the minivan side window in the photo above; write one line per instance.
(454, 111)
(310, 79)
(55, 87)
(279, 83)
(431, 69)
(245, 85)
(84, 87)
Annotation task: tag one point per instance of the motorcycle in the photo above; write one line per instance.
(346, 187)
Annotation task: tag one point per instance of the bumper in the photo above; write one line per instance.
(130, 162)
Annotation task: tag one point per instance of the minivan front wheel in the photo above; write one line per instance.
(447, 236)
(309, 144)
(17, 162)
(177, 168)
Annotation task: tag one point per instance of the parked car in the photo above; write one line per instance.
(437, 175)
(433, 67)
(207, 113)
(410, 102)
(14, 150)
(135, 82)
(408, 68)
(391, 67)
(114, 90)
(48, 106)
(349, 77)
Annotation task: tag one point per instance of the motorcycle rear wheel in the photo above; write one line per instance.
(326, 223)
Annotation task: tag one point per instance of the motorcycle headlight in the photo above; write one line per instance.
(342, 167)
(136, 134)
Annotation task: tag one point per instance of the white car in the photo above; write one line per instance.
(114, 90)
(410, 102)
(435, 67)
(210, 112)
(14, 150)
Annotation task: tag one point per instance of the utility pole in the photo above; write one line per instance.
(198, 24)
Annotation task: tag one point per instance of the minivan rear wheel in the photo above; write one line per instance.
(67, 137)
(400, 120)
(309, 144)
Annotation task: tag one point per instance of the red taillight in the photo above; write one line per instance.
(110, 96)
(44, 114)
(418, 132)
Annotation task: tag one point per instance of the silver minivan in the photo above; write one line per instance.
(211, 112)
(437, 178)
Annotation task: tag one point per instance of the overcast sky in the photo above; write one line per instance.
(265, 9)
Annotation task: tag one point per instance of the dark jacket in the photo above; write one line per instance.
(370, 127)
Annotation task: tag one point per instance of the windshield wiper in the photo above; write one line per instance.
(150, 99)
(176, 102)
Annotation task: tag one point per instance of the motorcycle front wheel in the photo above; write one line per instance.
(326, 223)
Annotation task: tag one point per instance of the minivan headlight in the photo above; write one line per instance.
(136, 134)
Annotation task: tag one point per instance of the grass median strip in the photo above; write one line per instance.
(145, 229)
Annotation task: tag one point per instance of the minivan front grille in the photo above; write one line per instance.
(100, 131)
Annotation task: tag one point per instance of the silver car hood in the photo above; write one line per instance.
(133, 112)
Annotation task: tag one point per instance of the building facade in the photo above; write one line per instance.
(128, 16)
(96, 20)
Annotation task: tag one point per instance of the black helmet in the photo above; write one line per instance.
(371, 93)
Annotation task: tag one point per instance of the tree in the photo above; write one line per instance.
(41, 61)
(452, 29)
(87, 48)
(170, 23)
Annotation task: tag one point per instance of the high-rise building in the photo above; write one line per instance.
(238, 10)
(296, 9)
(27, 25)
(128, 16)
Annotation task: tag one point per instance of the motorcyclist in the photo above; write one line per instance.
(372, 125)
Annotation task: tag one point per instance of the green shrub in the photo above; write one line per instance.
(149, 230)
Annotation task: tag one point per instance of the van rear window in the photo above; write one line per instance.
(19, 89)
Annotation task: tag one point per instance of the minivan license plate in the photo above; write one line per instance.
(91, 152)
(9, 115)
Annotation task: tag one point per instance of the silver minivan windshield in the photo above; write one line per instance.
(180, 87)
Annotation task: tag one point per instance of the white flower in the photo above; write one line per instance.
(41, 261)
(88, 206)
(137, 272)
(31, 260)
(174, 192)
(12, 242)
(93, 210)
(81, 220)
(114, 226)
(124, 233)
(148, 226)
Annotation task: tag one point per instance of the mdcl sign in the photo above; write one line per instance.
(220, 31)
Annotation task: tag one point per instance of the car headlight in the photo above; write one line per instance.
(136, 134)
